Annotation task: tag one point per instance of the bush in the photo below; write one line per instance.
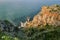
(4, 36)
(43, 34)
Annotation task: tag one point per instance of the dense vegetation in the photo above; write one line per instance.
(4, 36)
(43, 33)
(47, 32)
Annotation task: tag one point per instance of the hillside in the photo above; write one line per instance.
(48, 15)
(44, 26)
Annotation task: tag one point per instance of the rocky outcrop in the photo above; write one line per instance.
(48, 15)
(5, 25)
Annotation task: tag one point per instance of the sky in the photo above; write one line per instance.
(27, 0)
(2, 1)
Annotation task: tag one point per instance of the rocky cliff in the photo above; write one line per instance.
(48, 15)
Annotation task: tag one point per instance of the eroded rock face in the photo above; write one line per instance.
(49, 15)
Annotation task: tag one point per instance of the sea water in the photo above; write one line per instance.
(17, 10)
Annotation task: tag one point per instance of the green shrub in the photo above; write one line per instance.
(43, 34)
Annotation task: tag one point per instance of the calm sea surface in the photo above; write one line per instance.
(12, 10)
